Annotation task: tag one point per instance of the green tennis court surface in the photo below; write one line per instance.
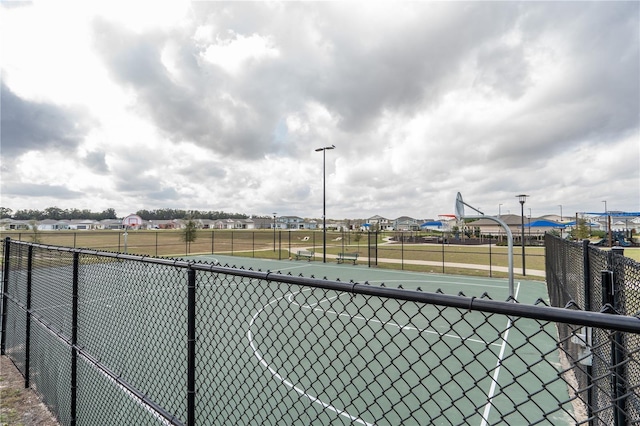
(351, 355)
(497, 288)
(275, 353)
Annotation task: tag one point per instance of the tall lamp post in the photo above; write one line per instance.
(560, 212)
(274, 231)
(606, 223)
(324, 201)
(522, 198)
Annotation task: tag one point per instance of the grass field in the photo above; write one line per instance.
(281, 244)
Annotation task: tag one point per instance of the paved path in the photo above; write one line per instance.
(530, 272)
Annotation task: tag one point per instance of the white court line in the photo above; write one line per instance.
(286, 382)
(496, 372)
(383, 323)
(470, 284)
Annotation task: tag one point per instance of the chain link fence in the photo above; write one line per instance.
(140, 340)
(583, 277)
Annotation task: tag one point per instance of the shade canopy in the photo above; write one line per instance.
(545, 224)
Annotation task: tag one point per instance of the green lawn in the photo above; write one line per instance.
(278, 245)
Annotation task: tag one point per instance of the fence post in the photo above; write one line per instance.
(402, 251)
(27, 343)
(490, 271)
(587, 283)
(191, 346)
(5, 288)
(74, 337)
(443, 253)
(617, 353)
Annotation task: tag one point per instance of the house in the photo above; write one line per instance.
(405, 223)
(52, 225)
(378, 223)
(290, 222)
(109, 224)
(490, 227)
(14, 225)
(83, 224)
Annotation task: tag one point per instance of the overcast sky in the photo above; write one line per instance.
(220, 106)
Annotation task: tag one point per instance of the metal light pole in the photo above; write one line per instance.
(324, 201)
(560, 212)
(522, 198)
(607, 223)
(499, 209)
(274, 231)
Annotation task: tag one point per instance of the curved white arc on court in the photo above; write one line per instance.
(382, 323)
(286, 382)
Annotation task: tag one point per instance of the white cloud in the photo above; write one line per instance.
(237, 51)
(220, 105)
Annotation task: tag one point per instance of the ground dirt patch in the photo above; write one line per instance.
(20, 406)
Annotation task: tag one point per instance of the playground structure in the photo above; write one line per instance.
(618, 238)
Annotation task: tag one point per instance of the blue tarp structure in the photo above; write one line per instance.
(432, 224)
(545, 223)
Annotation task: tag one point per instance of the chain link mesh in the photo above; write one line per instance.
(275, 349)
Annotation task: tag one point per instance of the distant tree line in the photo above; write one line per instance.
(168, 214)
(57, 213)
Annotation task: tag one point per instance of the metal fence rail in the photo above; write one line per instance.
(141, 340)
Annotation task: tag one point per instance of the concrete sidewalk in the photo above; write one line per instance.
(530, 272)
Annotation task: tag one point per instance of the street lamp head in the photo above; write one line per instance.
(324, 148)
(522, 198)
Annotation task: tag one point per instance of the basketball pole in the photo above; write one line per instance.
(459, 209)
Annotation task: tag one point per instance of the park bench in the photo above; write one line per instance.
(347, 256)
(305, 254)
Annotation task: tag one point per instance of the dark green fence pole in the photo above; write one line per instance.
(27, 343)
(212, 232)
(74, 338)
(402, 250)
(587, 282)
(490, 272)
(443, 253)
(191, 347)
(5, 288)
(617, 354)
(619, 351)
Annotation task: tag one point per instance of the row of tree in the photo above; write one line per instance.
(57, 213)
(168, 214)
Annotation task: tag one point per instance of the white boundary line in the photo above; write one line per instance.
(287, 382)
(496, 372)
(290, 298)
(382, 323)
